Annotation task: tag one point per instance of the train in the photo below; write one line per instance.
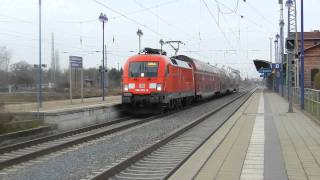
(153, 79)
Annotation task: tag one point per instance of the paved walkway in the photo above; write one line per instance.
(64, 105)
(260, 141)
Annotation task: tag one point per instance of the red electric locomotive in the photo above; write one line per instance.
(155, 79)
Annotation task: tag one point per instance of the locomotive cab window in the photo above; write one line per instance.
(143, 69)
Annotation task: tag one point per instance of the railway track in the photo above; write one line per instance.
(21, 152)
(161, 159)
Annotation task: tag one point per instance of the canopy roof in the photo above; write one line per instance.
(261, 64)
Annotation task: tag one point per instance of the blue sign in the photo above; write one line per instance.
(276, 66)
(265, 70)
(75, 61)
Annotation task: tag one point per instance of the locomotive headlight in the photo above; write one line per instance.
(152, 85)
(159, 87)
(125, 87)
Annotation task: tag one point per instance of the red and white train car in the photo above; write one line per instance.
(207, 77)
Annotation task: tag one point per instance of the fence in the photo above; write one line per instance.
(311, 99)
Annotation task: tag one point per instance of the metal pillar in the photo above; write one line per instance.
(139, 33)
(161, 45)
(40, 63)
(102, 79)
(103, 18)
(290, 58)
(291, 35)
(281, 56)
(276, 60)
(105, 69)
(139, 44)
(270, 38)
(302, 60)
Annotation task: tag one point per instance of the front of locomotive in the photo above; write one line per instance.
(143, 80)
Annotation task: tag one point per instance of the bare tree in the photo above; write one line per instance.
(23, 73)
(5, 56)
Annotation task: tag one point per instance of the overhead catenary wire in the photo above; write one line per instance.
(216, 22)
(191, 45)
(165, 21)
(132, 20)
(260, 14)
(231, 11)
(245, 18)
(127, 17)
(94, 19)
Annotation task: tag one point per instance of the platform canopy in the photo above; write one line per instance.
(261, 64)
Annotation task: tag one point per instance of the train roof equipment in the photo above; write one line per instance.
(199, 65)
(148, 50)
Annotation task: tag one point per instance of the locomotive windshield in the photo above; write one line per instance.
(143, 69)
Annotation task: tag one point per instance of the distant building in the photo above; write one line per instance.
(311, 57)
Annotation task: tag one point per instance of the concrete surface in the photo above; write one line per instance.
(260, 141)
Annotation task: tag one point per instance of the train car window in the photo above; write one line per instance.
(174, 61)
(143, 69)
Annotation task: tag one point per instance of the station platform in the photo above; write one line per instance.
(64, 105)
(260, 141)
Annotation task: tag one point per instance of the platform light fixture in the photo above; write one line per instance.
(139, 33)
(103, 18)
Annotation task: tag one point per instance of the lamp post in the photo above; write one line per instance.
(161, 44)
(276, 61)
(39, 97)
(281, 51)
(139, 33)
(270, 38)
(103, 18)
(276, 41)
(302, 60)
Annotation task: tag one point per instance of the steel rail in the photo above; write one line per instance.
(9, 148)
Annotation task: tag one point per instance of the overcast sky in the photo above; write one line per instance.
(212, 30)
